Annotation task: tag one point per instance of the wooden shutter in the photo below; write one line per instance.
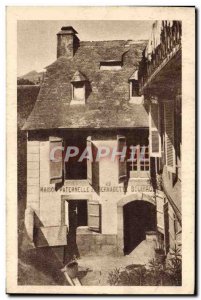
(166, 227)
(89, 162)
(154, 131)
(160, 212)
(94, 216)
(95, 169)
(56, 167)
(169, 136)
(121, 143)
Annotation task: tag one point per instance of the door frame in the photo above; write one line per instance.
(70, 197)
(120, 215)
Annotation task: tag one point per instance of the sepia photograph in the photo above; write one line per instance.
(100, 152)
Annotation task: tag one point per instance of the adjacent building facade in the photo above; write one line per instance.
(160, 81)
(99, 96)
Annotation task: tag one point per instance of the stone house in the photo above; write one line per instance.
(160, 74)
(93, 96)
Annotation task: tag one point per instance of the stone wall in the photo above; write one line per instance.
(26, 98)
(93, 243)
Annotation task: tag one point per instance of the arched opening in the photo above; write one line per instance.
(138, 218)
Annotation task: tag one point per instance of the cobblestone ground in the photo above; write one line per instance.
(95, 270)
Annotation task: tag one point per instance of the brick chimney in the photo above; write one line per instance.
(67, 42)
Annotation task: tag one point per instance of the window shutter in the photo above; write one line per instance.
(169, 136)
(89, 162)
(154, 131)
(56, 167)
(121, 143)
(160, 212)
(94, 216)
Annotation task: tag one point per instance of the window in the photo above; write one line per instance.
(110, 65)
(144, 158)
(79, 91)
(134, 85)
(75, 169)
(65, 162)
(134, 88)
(78, 88)
(138, 161)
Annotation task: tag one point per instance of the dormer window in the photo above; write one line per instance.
(135, 96)
(110, 65)
(78, 83)
(78, 91)
(134, 88)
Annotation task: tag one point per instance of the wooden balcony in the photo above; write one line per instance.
(155, 60)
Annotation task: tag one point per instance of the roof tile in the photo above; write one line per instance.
(107, 92)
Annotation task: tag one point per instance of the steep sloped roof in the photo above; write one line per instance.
(107, 102)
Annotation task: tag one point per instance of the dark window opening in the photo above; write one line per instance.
(110, 65)
(135, 88)
(75, 169)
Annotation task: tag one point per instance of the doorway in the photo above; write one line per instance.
(77, 216)
(138, 217)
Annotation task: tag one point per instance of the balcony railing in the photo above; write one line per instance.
(164, 43)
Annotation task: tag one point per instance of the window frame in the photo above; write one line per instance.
(138, 173)
(110, 65)
(65, 168)
(132, 82)
(78, 101)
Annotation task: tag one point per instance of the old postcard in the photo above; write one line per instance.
(100, 150)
